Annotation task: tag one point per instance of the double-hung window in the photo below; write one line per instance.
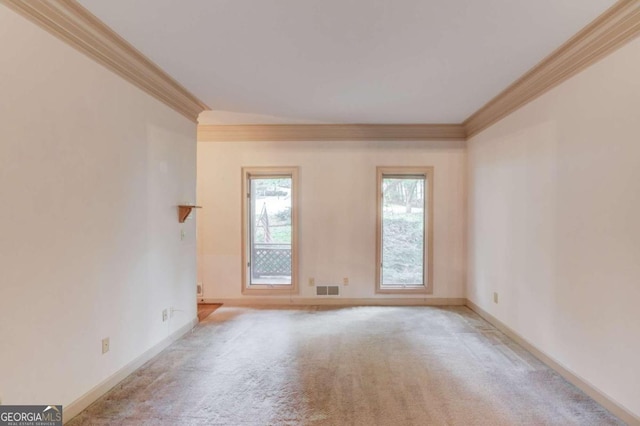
(269, 230)
(404, 249)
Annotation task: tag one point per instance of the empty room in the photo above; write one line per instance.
(319, 212)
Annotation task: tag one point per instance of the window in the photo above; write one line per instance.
(269, 230)
(404, 244)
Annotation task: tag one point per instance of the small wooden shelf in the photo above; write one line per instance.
(184, 211)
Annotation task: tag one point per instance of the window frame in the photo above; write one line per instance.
(268, 289)
(427, 278)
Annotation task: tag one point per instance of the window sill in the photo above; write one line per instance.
(404, 290)
(270, 290)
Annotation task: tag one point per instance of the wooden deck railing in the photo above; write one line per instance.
(271, 259)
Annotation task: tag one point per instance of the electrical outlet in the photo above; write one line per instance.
(165, 315)
(312, 282)
(495, 297)
(345, 281)
(105, 345)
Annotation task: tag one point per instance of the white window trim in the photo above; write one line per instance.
(270, 289)
(427, 288)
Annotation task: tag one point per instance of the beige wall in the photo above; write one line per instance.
(91, 170)
(554, 224)
(337, 210)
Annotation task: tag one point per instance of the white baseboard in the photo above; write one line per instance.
(337, 301)
(73, 409)
(582, 384)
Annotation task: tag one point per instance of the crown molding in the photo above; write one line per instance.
(74, 24)
(615, 27)
(330, 132)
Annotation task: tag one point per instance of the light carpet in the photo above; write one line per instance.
(345, 366)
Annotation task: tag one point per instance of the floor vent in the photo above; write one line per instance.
(328, 290)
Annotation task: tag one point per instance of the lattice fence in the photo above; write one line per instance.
(271, 260)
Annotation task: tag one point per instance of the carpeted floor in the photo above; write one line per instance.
(345, 366)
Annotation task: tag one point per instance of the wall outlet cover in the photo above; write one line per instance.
(105, 345)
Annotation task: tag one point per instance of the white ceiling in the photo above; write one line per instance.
(347, 61)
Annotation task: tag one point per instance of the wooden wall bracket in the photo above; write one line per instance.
(184, 211)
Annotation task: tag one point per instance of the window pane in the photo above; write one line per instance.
(403, 239)
(270, 230)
